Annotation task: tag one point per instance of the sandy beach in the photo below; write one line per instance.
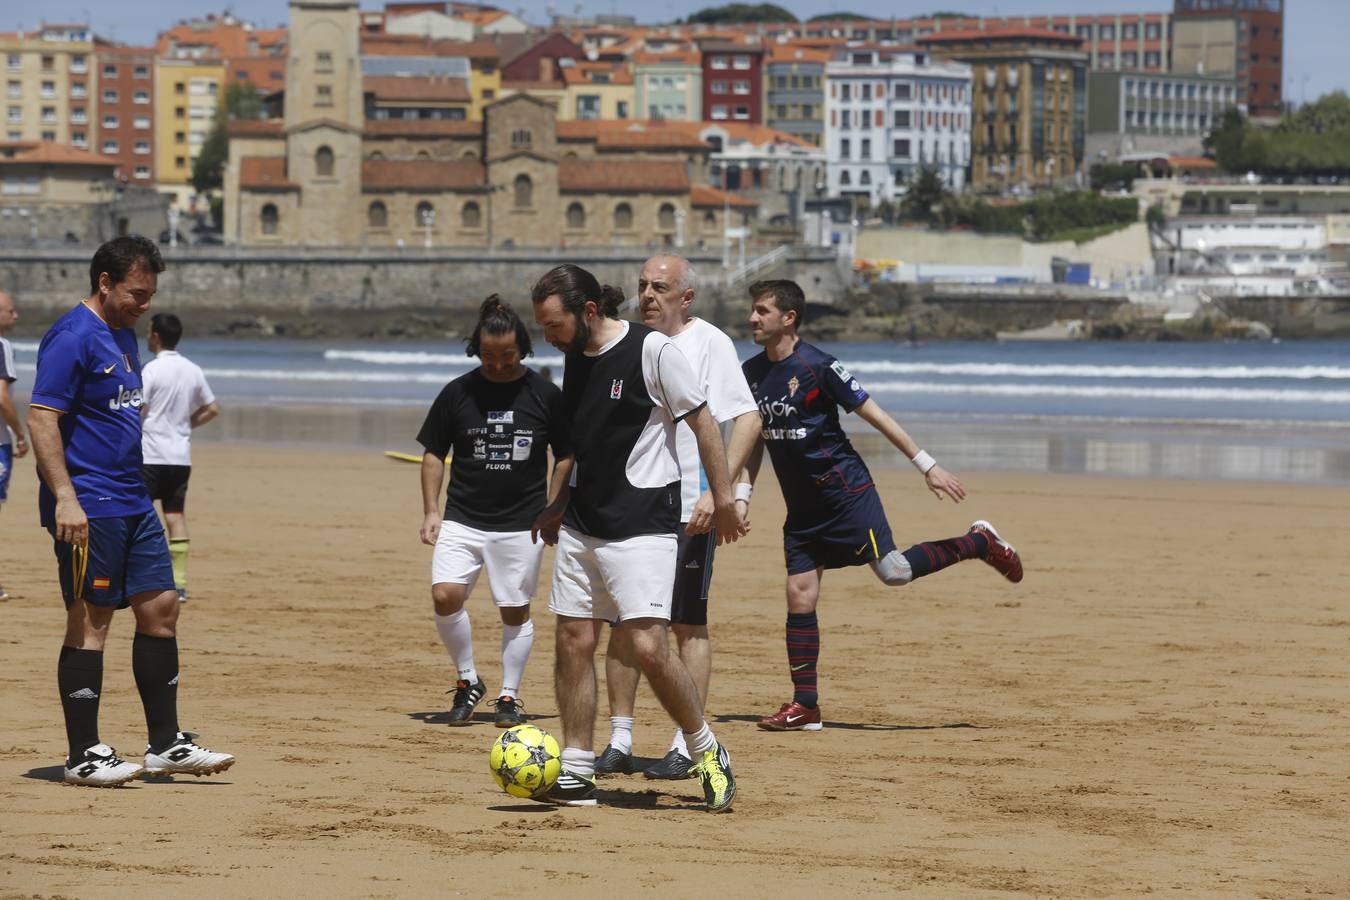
(1162, 706)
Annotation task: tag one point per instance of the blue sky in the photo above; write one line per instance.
(1317, 32)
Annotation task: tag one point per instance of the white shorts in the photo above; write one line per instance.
(511, 559)
(613, 580)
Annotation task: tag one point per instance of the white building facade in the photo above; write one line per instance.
(890, 113)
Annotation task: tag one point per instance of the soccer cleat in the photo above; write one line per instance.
(467, 697)
(1001, 554)
(674, 766)
(614, 762)
(570, 790)
(510, 712)
(182, 595)
(184, 757)
(719, 785)
(793, 717)
(100, 766)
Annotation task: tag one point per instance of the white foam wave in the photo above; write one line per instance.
(1249, 395)
(1178, 373)
(422, 358)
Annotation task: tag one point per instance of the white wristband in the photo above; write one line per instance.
(743, 490)
(923, 462)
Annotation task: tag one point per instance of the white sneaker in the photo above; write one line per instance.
(100, 766)
(183, 757)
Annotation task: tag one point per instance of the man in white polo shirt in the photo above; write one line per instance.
(177, 400)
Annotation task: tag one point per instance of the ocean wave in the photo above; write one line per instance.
(1135, 392)
(1062, 370)
(422, 358)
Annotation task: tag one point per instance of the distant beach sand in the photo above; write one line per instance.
(1160, 707)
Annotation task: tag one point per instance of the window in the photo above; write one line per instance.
(718, 62)
(865, 177)
(140, 122)
(621, 109)
(48, 90)
(142, 171)
(740, 87)
(48, 62)
(15, 61)
(1152, 31)
(424, 215)
(741, 62)
(866, 149)
(15, 114)
(470, 215)
(845, 90)
(110, 96)
(323, 61)
(576, 215)
(180, 162)
(49, 115)
(901, 148)
(1129, 32)
(142, 72)
(866, 91)
(623, 217)
(142, 147)
(902, 118)
(1107, 32)
(866, 119)
(141, 97)
(78, 91)
(180, 112)
(588, 106)
(524, 191)
(110, 147)
(323, 95)
(665, 217)
(180, 88)
(719, 87)
(844, 179)
(521, 137)
(15, 90)
(269, 218)
(719, 111)
(48, 136)
(1151, 60)
(78, 116)
(742, 113)
(323, 162)
(377, 215)
(904, 90)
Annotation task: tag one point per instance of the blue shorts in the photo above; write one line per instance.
(126, 556)
(6, 466)
(857, 534)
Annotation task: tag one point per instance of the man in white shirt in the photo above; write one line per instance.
(177, 400)
(666, 289)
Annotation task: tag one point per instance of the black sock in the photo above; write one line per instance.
(931, 556)
(803, 647)
(79, 675)
(154, 662)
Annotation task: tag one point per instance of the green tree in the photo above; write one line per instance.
(241, 101)
(736, 13)
(926, 195)
(840, 16)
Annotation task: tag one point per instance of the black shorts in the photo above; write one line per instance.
(168, 485)
(693, 575)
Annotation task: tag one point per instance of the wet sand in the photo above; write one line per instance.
(1162, 705)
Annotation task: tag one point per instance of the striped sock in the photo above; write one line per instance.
(803, 650)
(932, 556)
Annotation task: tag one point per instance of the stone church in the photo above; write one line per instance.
(325, 175)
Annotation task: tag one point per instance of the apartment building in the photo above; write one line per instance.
(891, 112)
(733, 82)
(1029, 106)
(668, 85)
(50, 85)
(125, 110)
(794, 91)
(1238, 39)
(187, 95)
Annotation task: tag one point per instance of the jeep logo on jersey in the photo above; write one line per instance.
(506, 416)
(616, 389)
(125, 399)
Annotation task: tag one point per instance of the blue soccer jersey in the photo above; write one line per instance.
(799, 399)
(92, 374)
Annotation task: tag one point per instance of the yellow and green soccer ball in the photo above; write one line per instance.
(525, 761)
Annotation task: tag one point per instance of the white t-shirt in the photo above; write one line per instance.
(175, 388)
(7, 372)
(716, 368)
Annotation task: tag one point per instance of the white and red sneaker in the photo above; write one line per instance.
(793, 717)
(1002, 556)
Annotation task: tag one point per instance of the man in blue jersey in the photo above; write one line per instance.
(834, 514)
(85, 423)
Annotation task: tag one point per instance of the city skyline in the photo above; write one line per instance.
(1312, 64)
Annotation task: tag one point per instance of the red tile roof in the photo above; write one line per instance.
(624, 134)
(575, 175)
(413, 45)
(264, 173)
(417, 87)
(975, 34)
(257, 127)
(431, 174)
(709, 196)
(47, 153)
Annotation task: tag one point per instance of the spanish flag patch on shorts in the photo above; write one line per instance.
(102, 584)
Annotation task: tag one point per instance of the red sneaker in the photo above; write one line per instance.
(793, 717)
(1001, 554)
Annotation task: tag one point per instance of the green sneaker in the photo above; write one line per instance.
(719, 785)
